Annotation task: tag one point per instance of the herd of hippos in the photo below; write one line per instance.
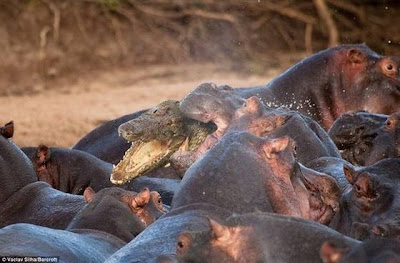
(304, 169)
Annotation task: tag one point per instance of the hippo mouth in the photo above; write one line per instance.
(143, 157)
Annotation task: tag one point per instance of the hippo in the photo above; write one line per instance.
(159, 240)
(322, 87)
(71, 171)
(111, 218)
(377, 250)
(312, 141)
(269, 179)
(211, 103)
(237, 114)
(364, 138)
(332, 166)
(257, 237)
(39, 204)
(326, 84)
(371, 199)
(16, 170)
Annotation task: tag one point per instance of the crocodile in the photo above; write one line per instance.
(155, 136)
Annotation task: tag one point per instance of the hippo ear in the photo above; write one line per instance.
(42, 154)
(350, 173)
(183, 243)
(356, 56)
(218, 231)
(142, 198)
(274, 146)
(330, 252)
(89, 194)
(391, 122)
(8, 130)
(253, 104)
(363, 186)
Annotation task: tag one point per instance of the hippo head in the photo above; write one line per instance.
(386, 144)
(377, 250)
(220, 243)
(119, 212)
(371, 79)
(253, 116)
(147, 205)
(373, 196)
(364, 138)
(354, 134)
(309, 194)
(210, 103)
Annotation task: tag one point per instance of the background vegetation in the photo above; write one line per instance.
(45, 44)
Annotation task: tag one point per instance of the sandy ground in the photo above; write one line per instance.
(60, 117)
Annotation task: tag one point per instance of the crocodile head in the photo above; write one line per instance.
(155, 136)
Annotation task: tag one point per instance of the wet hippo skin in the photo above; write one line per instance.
(371, 199)
(378, 250)
(326, 84)
(71, 171)
(312, 141)
(161, 237)
(16, 170)
(322, 86)
(267, 179)
(99, 229)
(364, 138)
(257, 237)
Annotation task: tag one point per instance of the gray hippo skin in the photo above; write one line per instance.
(161, 237)
(334, 167)
(364, 138)
(268, 179)
(257, 237)
(105, 224)
(322, 86)
(71, 171)
(326, 84)
(377, 250)
(221, 105)
(312, 141)
(371, 200)
(16, 170)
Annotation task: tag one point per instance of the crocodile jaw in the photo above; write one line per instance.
(141, 158)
